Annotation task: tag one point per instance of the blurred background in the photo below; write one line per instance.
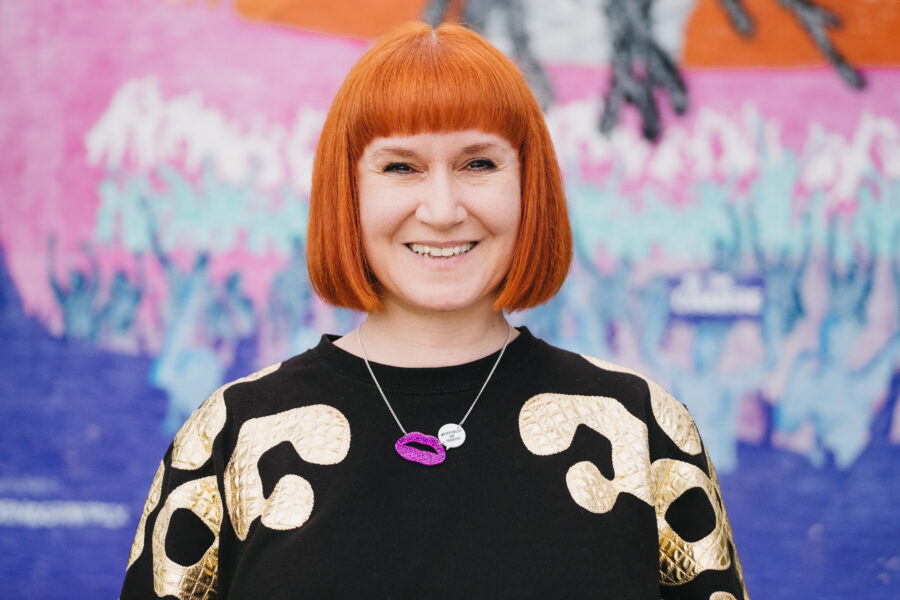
(733, 176)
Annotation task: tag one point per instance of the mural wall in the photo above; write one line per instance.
(733, 174)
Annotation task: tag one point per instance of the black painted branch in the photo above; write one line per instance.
(815, 19)
(475, 15)
(639, 66)
(738, 16)
(514, 14)
(434, 12)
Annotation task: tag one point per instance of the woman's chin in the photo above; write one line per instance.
(445, 304)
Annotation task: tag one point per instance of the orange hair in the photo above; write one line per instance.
(413, 80)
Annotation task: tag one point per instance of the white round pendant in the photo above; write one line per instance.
(452, 435)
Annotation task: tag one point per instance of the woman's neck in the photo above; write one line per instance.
(401, 338)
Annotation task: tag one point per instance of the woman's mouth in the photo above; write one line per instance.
(445, 252)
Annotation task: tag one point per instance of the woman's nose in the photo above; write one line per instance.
(440, 205)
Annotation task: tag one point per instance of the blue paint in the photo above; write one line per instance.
(783, 273)
(187, 368)
(290, 309)
(713, 396)
(837, 400)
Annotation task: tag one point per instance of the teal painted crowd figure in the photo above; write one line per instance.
(822, 388)
(713, 395)
(290, 308)
(230, 315)
(782, 295)
(86, 315)
(186, 368)
(118, 318)
(604, 295)
(78, 297)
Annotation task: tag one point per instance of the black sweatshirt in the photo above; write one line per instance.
(577, 479)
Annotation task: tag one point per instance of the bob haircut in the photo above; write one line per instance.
(422, 80)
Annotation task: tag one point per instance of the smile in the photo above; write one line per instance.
(434, 252)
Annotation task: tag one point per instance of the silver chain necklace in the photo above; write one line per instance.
(451, 435)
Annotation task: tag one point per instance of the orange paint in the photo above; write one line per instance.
(869, 35)
(357, 18)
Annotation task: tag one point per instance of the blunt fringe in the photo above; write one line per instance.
(416, 80)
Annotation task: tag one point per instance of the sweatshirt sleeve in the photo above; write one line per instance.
(698, 559)
(697, 555)
(176, 546)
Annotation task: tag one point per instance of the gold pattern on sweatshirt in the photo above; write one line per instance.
(152, 500)
(200, 580)
(547, 424)
(672, 416)
(319, 433)
(721, 596)
(681, 561)
(194, 441)
(728, 531)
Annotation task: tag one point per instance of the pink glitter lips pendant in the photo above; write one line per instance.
(417, 455)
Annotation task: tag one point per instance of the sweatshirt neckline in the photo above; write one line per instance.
(425, 380)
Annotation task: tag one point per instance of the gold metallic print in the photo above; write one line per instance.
(289, 505)
(547, 424)
(320, 434)
(681, 561)
(728, 531)
(194, 441)
(152, 500)
(200, 580)
(721, 596)
(672, 416)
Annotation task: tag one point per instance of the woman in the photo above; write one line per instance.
(436, 205)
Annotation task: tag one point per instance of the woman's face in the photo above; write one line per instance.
(439, 214)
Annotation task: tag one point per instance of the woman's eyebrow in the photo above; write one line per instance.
(404, 152)
(394, 151)
(476, 148)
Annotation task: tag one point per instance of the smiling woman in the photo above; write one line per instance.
(440, 215)
(436, 205)
(446, 81)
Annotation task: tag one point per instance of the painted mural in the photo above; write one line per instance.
(733, 174)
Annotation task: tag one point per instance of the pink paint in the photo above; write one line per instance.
(62, 65)
(734, 114)
(604, 261)
(795, 97)
(751, 421)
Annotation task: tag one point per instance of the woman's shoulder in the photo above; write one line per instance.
(671, 415)
(194, 441)
(578, 366)
(272, 389)
(630, 388)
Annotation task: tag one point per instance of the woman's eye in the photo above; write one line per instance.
(397, 168)
(481, 164)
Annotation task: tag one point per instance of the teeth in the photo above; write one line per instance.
(424, 250)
